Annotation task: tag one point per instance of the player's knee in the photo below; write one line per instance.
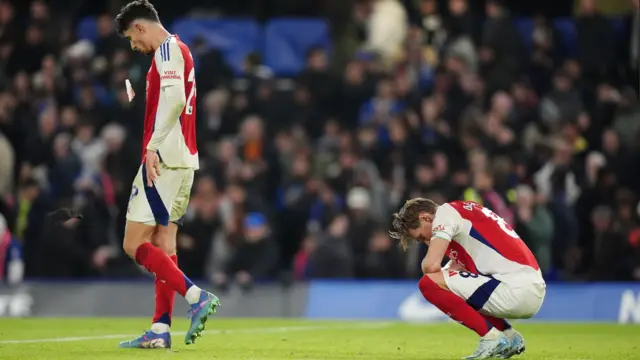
(130, 247)
(164, 238)
(430, 282)
(135, 235)
(168, 246)
(426, 284)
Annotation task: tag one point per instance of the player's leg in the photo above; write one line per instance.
(516, 340)
(148, 213)
(137, 234)
(520, 296)
(208, 302)
(435, 288)
(159, 335)
(147, 207)
(164, 295)
(496, 299)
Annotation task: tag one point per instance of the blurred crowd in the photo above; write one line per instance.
(299, 175)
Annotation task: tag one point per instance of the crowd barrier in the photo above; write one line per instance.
(375, 300)
(599, 302)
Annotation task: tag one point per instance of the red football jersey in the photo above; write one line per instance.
(480, 240)
(172, 64)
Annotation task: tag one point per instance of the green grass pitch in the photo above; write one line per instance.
(271, 339)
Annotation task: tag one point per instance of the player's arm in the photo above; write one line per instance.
(452, 265)
(446, 225)
(170, 64)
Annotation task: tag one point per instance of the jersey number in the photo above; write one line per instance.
(466, 274)
(192, 94)
(500, 221)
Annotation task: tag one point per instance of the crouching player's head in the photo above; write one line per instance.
(138, 22)
(414, 221)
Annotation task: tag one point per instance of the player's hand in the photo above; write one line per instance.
(152, 167)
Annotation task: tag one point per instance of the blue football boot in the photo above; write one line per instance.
(199, 314)
(516, 345)
(489, 348)
(149, 340)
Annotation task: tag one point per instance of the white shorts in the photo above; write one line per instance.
(166, 201)
(518, 295)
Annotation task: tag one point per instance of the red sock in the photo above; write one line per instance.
(500, 324)
(165, 297)
(163, 268)
(455, 307)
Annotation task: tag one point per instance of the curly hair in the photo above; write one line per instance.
(407, 219)
(138, 9)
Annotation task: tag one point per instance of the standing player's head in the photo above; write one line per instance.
(414, 221)
(138, 22)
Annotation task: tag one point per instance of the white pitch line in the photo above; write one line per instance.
(265, 330)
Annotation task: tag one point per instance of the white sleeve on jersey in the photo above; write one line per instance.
(447, 222)
(170, 65)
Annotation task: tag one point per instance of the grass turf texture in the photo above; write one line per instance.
(238, 339)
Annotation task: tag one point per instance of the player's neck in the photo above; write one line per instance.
(160, 34)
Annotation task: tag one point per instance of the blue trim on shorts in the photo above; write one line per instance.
(160, 212)
(482, 294)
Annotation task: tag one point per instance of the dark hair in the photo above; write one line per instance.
(138, 9)
(407, 218)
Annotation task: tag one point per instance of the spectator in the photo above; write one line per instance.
(330, 255)
(535, 225)
(108, 41)
(608, 245)
(562, 104)
(463, 23)
(432, 25)
(381, 108)
(204, 221)
(355, 90)
(383, 259)
(256, 257)
(502, 48)
(546, 53)
(596, 51)
(11, 261)
(211, 69)
(385, 23)
(65, 169)
(7, 159)
(627, 120)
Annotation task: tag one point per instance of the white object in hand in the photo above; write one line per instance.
(130, 93)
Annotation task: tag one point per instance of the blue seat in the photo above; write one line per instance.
(620, 27)
(567, 29)
(525, 27)
(235, 38)
(287, 41)
(87, 29)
